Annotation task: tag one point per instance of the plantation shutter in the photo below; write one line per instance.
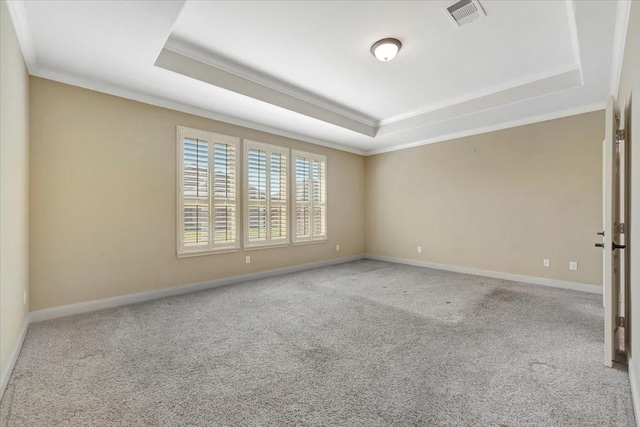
(319, 219)
(257, 181)
(278, 197)
(207, 192)
(224, 194)
(303, 199)
(196, 193)
(266, 189)
(310, 204)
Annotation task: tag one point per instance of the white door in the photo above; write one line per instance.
(613, 244)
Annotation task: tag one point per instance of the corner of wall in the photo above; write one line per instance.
(14, 196)
(633, 380)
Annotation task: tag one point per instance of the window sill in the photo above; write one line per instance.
(208, 252)
(309, 242)
(256, 247)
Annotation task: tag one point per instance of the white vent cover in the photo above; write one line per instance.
(464, 11)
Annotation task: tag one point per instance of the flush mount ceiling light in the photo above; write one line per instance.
(386, 49)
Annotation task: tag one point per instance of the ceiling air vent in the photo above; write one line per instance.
(464, 12)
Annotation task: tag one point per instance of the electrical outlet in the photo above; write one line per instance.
(25, 298)
(419, 249)
(573, 265)
(545, 263)
(337, 247)
(247, 259)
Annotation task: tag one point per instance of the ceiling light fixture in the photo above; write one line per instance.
(386, 49)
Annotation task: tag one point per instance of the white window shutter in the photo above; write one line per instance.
(195, 230)
(303, 199)
(225, 194)
(207, 205)
(278, 201)
(319, 214)
(310, 204)
(266, 202)
(257, 198)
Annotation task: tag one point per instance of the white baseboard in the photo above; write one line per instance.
(13, 357)
(85, 307)
(635, 397)
(594, 289)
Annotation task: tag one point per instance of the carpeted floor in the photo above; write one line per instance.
(360, 344)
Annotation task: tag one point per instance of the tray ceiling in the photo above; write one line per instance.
(304, 69)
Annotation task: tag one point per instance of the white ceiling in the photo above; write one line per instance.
(303, 69)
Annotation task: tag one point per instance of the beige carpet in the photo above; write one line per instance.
(361, 344)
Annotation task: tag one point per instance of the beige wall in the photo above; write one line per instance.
(14, 187)
(103, 199)
(498, 201)
(629, 89)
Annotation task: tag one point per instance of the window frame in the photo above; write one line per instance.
(212, 138)
(270, 149)
(294, 203)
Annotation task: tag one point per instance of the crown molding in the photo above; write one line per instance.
(534, 89)
(18, 15)
(203, 72)
(492, 128)
(477, 96)
(227, 77)
(176, 106)
(183, 108)
(325, 109)
(619, 42)
(196, 53)
(573, 33)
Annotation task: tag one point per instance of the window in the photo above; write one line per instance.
(310, 203)
(266, 205)
(207, 196)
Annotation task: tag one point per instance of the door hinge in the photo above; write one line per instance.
(620, 135)
(621, 322)
(622, 227)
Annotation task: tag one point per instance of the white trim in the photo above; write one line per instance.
(191, 254)
(259, 247)
(492, 128)
(196, 53)
(85, 307)
(13, 357)
(180, 107)
(310, 242)
(573, 31)
(101, 304)
(193, 68)
(619, 41)
(486, 94)
(562, 284)
(133, 95)
(295, 154)
(635, 395)
(23, 33)
(268, 149)
(211, 139)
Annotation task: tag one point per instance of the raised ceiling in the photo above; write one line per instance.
(303, 69)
